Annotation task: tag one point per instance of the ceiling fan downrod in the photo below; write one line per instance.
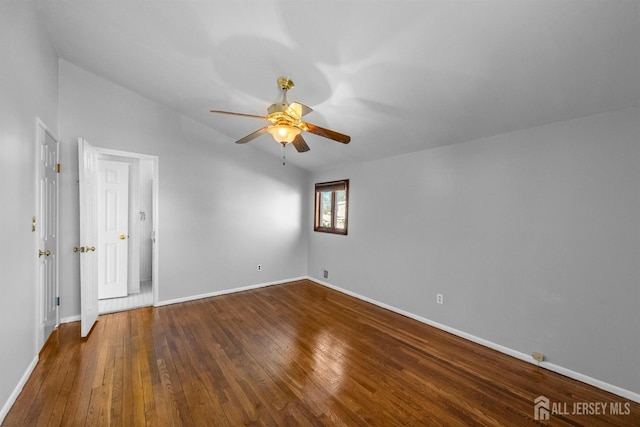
(286, 84)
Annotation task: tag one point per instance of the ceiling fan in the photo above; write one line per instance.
(286, 124)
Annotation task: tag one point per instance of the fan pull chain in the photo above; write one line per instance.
(284, 160)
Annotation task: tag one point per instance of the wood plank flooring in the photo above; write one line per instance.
(291, 354)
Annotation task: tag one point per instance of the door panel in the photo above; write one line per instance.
(113, 223)
(88, 197)
(47, 231)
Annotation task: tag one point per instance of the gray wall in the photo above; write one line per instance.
(28, 90)
(532, 237)
(223, 208)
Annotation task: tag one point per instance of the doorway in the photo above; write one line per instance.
(133, 231)
(88, 156)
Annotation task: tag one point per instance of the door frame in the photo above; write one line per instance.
(110, 154)
(41, 131)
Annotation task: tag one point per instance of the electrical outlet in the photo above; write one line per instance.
(538, 356)
(325, 274)
(259, 268)
(439, 299)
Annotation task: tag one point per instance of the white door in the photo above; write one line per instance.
(47, 227)
(88, 178)
(113, 223)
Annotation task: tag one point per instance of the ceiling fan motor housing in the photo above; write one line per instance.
(279, 107)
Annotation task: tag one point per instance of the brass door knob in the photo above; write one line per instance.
(45, 253)
(91, 248)
(122, 237)
(78, 249)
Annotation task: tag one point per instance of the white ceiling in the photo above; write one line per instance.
(397, 76)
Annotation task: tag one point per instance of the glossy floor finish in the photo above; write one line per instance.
(291, 354)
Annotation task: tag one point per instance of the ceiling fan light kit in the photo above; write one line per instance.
(286, 124)
(282, 133)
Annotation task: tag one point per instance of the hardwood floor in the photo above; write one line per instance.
(291, 354)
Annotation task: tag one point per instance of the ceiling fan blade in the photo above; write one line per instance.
(251, 136)
(298, 109)
(238, 114)
(328, 133)
(300, 144)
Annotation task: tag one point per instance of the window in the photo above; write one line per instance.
(332, 207)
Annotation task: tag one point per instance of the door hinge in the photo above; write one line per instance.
(58, 168)
(57, 300)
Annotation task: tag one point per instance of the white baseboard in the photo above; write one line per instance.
(627, 394)
(16, 392)
(227, 291)
(69, 319)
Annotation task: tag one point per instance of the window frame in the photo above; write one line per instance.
(333, 187)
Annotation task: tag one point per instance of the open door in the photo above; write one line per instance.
(88, 178)
(47, 154)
